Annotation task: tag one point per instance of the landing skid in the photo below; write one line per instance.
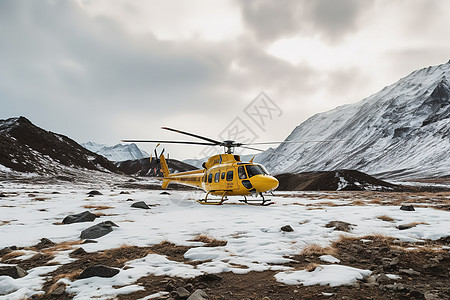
(263, 202)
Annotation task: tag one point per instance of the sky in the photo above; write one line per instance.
(102, 71)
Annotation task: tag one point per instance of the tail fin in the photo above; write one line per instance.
(165, 170)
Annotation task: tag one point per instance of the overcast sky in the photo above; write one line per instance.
(102, 71)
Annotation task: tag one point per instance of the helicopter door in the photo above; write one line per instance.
(230, 179)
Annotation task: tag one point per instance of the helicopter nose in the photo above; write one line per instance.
(264, 183)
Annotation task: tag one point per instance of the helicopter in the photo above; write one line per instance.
(222, 174)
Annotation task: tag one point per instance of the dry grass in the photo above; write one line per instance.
(64, 246)
(71, 276)
(327, 203)
(209, 241)
(385, 218)
(413, 224)
(12, 255)
(311, 267)
(40, 199)
(97, 207)
(358, 203)
(6, 222)
(314, 249)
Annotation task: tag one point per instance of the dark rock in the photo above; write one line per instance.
(12, 271)
(189, 287)
(97, 230)
(89, 242)
(405, 226)
(94, 193)
(124, 193)
(60, 289)
(383, 279)
(339, 225)
(408, 272)
(129, 199)
(164, 193)
(287, 228)
(445, 239)
(2, 195)
(209, 277)
(407, 208)
(85, 216)
(79, 251)
(7, 250)
(198, 295)
(183, 293)
(99, 271)
(44, 243)
(140, 204)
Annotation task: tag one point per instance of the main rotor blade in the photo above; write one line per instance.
(292, 142)
(168, 142)
(193, 135)
(252, 148)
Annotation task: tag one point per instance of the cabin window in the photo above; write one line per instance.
(241, 173)
(217, 177)
(230, 176)
(222, 176)
(253, 170)
(210, 178)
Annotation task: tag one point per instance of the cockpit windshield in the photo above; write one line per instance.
(253, 170)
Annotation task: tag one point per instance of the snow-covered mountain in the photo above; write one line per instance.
(401, 131)
(117, 152)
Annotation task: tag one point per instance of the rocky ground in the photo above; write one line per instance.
(174, 248)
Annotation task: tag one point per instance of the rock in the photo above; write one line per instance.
(44, 243)
(445, 239)
(409, 272)
(287, 228)
(189, 287)
(98, 230)
(99, 271)
(383, 279)
(339, 225)
(183, 293)
(79, 251)
(164, 193)
(140, 204)
(407, 208)
(406, 226)
(85, 216)
(7, 250)
(89, 242)
(60, 289)
(94, 193)
(2, 195)
(394, 262)
(124, 193)
(13, 271)
(209, 277)
(198, 295)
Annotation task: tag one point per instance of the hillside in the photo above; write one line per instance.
(25, 147)
(400, 132)
(145, 167)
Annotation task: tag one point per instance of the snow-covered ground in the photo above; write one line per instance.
(254, 239)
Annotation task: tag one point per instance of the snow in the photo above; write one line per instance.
(329, 259)
(254, 239)
(4, 169)
(117, 152)
(333, 275)
(399, 132)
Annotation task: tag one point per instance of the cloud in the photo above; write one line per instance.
(272, 20)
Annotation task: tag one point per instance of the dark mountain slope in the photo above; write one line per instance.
(25, 147)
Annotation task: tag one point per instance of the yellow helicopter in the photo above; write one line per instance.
(223, 174)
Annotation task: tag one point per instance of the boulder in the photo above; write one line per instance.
(85, 216)
(164, 193)
(12, 271)
(407, 208)
(79, 251)
(287, 228)
(94, 193)
(44, 243)
(339, 225)
(198, 295)
(140, 204)
(98, 271)
(97, 230)
(183, 293)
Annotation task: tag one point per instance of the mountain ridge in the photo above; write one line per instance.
(397, 131)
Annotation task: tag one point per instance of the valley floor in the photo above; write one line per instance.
(325, 245)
